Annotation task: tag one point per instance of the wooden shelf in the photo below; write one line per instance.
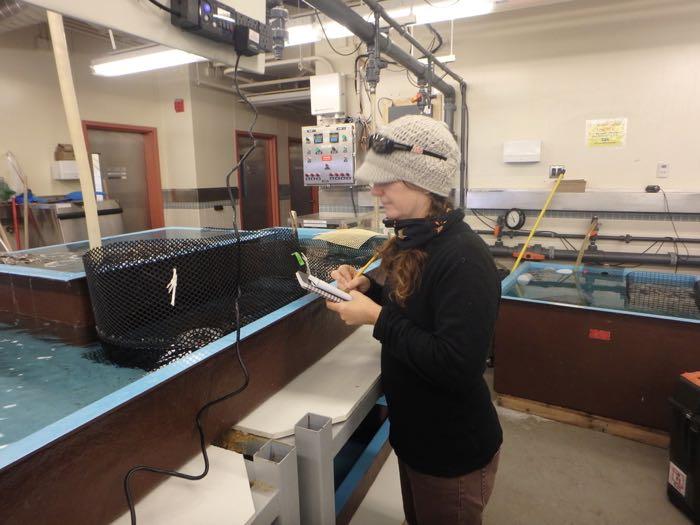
(639, 433)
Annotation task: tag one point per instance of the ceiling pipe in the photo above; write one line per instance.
(276, 98)
(259, 99)
(626, 238)
(599, 256)
(345, 16)
(274, 82)
(275, 63)
(377, 8)
(464, 115)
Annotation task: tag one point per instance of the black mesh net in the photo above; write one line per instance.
(665, 294)
(157, 299)
(324, 256)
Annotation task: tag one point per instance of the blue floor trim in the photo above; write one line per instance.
(362, 465)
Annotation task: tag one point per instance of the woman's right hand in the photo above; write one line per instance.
(347, 279)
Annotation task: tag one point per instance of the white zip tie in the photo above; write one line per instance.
(172, 287)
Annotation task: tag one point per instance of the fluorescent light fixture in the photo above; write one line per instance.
(413, 15)
(335, 30)
(403, 15)
(449, 10)
(303, 34)
(444, 59)
(397, 13)
(141, 59)
(309, 33)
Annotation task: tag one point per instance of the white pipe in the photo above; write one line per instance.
(274, 82)
(211, 85)
(203, 83)
(324, 60)
(259, 99)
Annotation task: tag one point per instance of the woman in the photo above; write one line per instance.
(435, 318)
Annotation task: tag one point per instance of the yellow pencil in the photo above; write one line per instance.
(362, 270)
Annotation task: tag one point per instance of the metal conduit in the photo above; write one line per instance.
(377, 8)
(345, 16)
(669, 259)
(621, 238)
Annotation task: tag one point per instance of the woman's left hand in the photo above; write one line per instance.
(361, 310)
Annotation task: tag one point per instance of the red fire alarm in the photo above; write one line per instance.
(179, 105)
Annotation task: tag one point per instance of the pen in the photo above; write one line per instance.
(362, 270)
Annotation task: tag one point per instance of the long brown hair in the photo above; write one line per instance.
(404, 268)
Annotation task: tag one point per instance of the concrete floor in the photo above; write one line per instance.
(555, 474)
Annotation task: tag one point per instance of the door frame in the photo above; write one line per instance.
(271, 182)
(314, 189)
(154, 190)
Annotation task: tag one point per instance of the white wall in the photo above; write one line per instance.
(217, 115)
(32, 111)
(540, 73)
(32, 121)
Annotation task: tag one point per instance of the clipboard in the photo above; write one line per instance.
(322, 288)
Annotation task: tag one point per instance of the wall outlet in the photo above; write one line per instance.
(663, 170)
(555, 171)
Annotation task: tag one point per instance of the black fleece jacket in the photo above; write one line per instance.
(434, 352)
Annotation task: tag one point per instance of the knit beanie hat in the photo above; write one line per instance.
(430, 173)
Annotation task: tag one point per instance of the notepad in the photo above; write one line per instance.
(322, 288)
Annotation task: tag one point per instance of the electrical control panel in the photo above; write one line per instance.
(330, 154)
(218, 20)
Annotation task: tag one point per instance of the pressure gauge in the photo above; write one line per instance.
(515, 218)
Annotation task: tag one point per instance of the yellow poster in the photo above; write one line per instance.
(606, 132)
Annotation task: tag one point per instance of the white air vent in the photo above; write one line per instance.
(16, 15)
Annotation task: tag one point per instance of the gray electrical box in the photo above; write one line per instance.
(330, 154)
(401, 111)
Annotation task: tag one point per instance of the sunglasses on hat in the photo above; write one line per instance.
(384, 145)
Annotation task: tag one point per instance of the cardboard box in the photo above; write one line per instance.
(572, 186)
(64, 152)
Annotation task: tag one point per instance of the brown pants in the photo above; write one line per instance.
(430, 500)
